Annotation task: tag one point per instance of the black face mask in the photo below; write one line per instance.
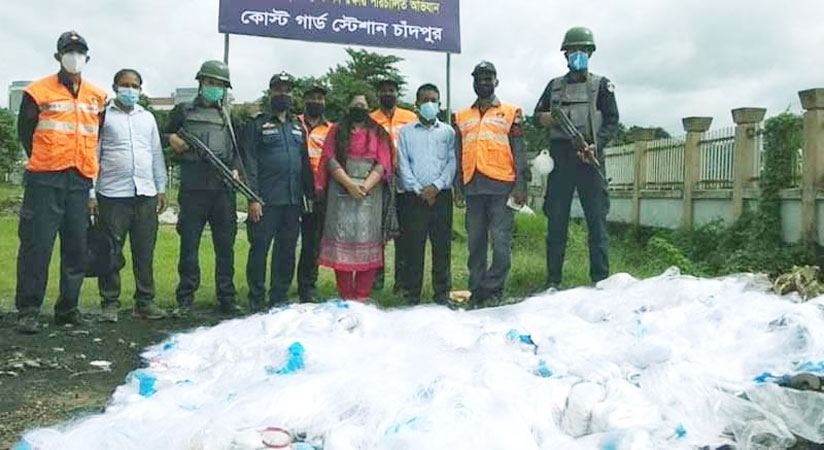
(358, 114)
(484, 90)
(314, 109)
(281, 103)
(388, 101)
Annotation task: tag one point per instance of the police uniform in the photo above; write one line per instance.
(589, 101)
(205, 197)
(278, 169)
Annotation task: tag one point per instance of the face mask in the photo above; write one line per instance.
(73, 62)
(314, 109)
(281, 102)
(429, 111)
(388, 101)
(358, 114)
(578, 61)
(484, 90)
(213, 94)
(128, 96)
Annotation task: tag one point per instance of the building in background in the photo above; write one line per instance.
(16, 95)
(182, 95)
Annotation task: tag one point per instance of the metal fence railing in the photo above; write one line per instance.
(620, 165)
(665, 163)
(717, 148)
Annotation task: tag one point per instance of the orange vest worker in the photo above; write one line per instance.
(66, 132)
(485, 142)
(392, 125)
(315, 139)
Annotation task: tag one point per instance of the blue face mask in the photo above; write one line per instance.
(213, 94)
(578, 61)
(127, 96)
(429, 111)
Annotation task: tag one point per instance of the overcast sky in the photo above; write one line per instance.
(667, 58)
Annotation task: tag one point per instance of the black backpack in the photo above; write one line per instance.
(103, 255)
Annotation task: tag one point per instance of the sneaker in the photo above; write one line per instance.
(150, 312)
(182, 312)
(71, 317)
(109, 313)
(28, 324)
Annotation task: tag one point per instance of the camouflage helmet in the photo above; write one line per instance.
(578, 37)
(214, 69)
(282, 77)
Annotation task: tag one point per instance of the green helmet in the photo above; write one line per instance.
(214, 69)
(578, 36)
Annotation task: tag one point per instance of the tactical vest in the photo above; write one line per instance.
(209, 125)
(578, 101)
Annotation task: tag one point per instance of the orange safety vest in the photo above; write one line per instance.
(66, 132)
(315, 139)
(485, 142)
(392, 125)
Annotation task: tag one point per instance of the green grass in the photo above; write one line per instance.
(526, 277)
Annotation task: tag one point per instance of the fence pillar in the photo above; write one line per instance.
(746, 145)
(812, 174)
(695, 128)
(641, 137)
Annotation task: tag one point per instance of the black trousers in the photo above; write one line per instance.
(311, 230)
(400, 261)
(571, 174)
(488, 217)
(137, 217)
(418, 222)
(217, 207)
(280, 224)
(47, 210)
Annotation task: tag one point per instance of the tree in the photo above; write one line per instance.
(10, 154)
(627, 135)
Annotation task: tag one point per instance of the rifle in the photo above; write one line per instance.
(578, 139)
(223, 171)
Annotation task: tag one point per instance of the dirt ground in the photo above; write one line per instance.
(48, 378)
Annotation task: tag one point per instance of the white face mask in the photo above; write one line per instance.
(73, 62)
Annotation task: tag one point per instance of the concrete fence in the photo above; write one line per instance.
(705, 175)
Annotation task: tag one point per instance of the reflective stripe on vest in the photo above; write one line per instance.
(67, 127)
(400, 117)
(485, 143)
(314, 142)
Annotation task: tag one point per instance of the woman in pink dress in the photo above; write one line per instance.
(355, 169)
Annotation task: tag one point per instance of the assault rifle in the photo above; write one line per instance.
(223, 171)
(578, 139)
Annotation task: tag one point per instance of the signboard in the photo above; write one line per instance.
(419, 25)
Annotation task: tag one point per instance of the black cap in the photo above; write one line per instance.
(315, 88)
(387, 80)
(484, 67)
(282, 77)
(71, 39)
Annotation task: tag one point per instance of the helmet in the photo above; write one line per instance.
(214, 69)
(578, 36)
(71, 39)
(282, 77)
(484, 67)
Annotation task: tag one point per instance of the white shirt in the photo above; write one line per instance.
(130, 155)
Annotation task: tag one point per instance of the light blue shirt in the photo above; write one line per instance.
(426, 156)
(130, 155)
